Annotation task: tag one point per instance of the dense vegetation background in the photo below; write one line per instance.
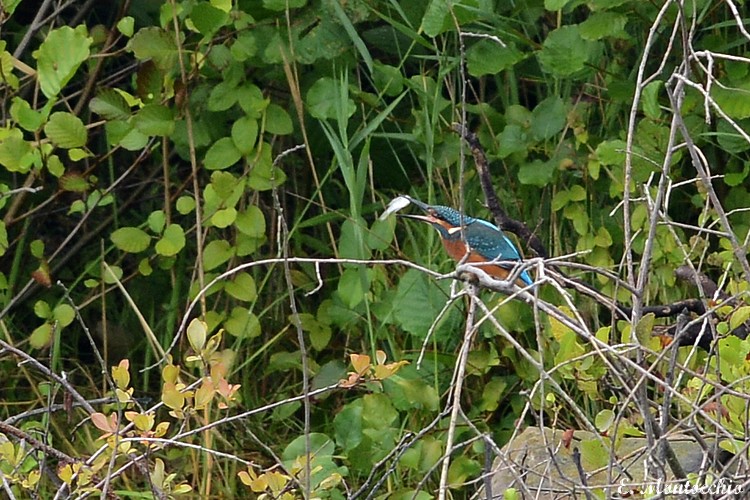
(192, 262)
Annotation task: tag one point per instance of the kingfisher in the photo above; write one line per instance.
(483, 241)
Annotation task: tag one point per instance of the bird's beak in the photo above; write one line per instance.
(424, 218)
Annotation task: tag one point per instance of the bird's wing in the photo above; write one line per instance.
(490, 242)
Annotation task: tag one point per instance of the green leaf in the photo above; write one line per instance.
(126, 135)
(242, 287)
(245, 134)
(155, 44)
(216, 253)
(735, 101)
(222, 154)
(353, 285)
(604, 24)
(278, 120)
(64, 315)
(565, 53)
(434, 17)
(41, 336)
(154, 120)
(223, 96)
(126, 25)
(650, 101)
(16, 154)
(27, 118)
(131, 239)
(185, 204)
(242, 323)
(171, 242)
(42, 309)
(537, 173)
(156, 221)
(59, 56)
(208, 19)
(487, 57)
(513, 139)
(323, 98)
(548, 118)
(251, 222)
(348, 426)
(320, 333)
(418, 302)
(224, 217)
(381, 234)
(604, 420)
(739, 316)
(66, 130)
(644, 328)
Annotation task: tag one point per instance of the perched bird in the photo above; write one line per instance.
(484, 241)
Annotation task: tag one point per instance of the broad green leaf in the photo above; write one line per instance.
(604, 24)
(131, 239)
(42, 309)
(224, 217)
(644, 328)
(734, 101)
(156, 221)
(434, 17)
(348, 426)
(388, 79)
(41, 336)
(245, 134)
(323, 98)
(565, 53)
(320, 333)
(537, 173)
(224, 184)
(16, 154)
(223, 96)
(251, 222)
(171, 242)
(126, 135)
(66, 130)
(216, 253)
(154, 119)
(594, 454)
(59, 56)
(548, 118)
(242, 287)
(197, 331)
(208, 19)
(126, 25)
(488, 57)
(64, 314)
(152, 43)
(242, 323)
(353, 285)
(739, 316)
(244, 46)
(650, 101)
(24, 116)
(604, 420)
(74, 182)
(513, 139)
(278, 120)
(222, 154)
(185, 204)
(381, 234)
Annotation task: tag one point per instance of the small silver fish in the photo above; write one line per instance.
(395, 205)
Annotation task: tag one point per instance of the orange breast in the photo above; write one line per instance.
(457, 249)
